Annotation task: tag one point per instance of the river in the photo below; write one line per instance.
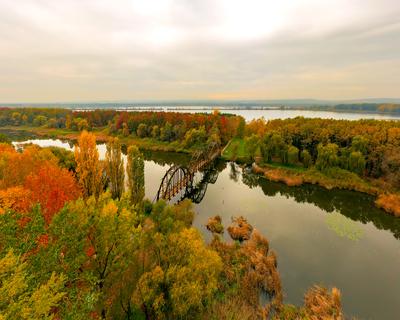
(334, 238)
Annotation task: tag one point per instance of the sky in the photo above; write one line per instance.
(121, 50)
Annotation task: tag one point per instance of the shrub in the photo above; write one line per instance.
(390, 203)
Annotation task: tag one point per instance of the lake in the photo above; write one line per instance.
(334, 238)
(271, 114)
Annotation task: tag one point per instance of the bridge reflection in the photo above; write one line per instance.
(190, 181)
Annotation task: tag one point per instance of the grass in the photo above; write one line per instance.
(236, 151)
(329, 179)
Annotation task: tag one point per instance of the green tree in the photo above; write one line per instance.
(214, 136)
(135, 171)
(166, 133)
(39, 121)
(111, 243)
(65, 158)
(360, 143)
(274, 146)
(306, 158)
(195, 137)
(293, 155)
(327, 156)
(142, 130)
(240, 128)
(356, 162)
(155, 132)
(4, 139)
(252, 143)
(115, 168)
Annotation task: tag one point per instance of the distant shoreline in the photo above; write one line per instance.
(378, 109)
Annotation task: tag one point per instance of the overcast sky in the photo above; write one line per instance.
(103, 50)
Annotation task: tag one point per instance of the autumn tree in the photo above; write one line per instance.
(16, 198)
(142, 130)
(125, 130)
(88, 167)
(52, 187)
(19, 300)
(184, 279)
(110, 244)
(195, 137)
(135, 169)
(115, 168)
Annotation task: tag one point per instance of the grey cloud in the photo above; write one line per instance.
(91, 50)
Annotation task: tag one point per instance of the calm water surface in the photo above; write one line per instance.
(334, 238)
(270, 114)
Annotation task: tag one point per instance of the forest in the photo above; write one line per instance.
(386, 108)
(161, 126)
(362, 155)
(77, 242)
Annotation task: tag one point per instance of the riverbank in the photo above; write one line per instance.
(334, 178)
(236, 150)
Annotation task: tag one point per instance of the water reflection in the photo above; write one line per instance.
(344, 227)
(354, 205)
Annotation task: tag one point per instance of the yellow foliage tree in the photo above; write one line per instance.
(186, 276)
(18, 300)
(88, 165)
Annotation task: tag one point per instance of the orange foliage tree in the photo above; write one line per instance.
(16, 199)
(16, 166)
(33, 176)
(52, 186)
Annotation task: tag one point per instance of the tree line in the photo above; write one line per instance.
(369, 148)
(165, 126)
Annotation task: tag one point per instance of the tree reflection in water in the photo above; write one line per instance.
(344, 227)
(353, 205)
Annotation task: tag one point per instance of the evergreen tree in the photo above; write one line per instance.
(135, 175)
